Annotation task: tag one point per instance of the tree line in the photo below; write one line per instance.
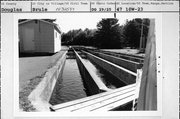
(109, 34)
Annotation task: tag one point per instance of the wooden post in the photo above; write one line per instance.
(138, 82)
(148, 90)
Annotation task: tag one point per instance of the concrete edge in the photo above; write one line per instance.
(125, 75)
(101, 86)
(130, 57)
(40, 96)
(132, 65)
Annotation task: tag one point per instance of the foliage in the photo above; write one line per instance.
(79, 37)
(132, 32)
(109, 34)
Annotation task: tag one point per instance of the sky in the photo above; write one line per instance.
(71, 21)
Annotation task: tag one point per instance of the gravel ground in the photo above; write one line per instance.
(31, 72)
(31, 67)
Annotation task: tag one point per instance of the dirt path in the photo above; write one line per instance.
(31, 67)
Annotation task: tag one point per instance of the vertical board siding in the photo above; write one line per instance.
(45, 39)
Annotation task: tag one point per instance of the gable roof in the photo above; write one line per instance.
(56, 27)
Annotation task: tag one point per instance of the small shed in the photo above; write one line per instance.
(39, 36)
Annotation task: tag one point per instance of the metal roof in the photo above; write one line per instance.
(55, 25)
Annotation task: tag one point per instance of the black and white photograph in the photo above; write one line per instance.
(86, 62)
(89, 59)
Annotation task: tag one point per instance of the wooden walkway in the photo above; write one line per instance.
(100, 102)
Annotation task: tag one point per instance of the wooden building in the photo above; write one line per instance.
(39, 36)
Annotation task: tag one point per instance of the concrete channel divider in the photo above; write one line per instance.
(91, 80)
(125, 56)
(128, 64)
(40, 96)
(123, 74)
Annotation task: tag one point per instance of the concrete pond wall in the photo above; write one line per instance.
(123, 74)
(40, 96)
(134, 58)
(128, 64)
(93, 83)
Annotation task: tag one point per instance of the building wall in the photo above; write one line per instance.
(45, 42)
(43, 37)
(57, 41)
(23, 36)
(20, 39)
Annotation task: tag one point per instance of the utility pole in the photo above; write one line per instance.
(115, 11)
(115, 15)
(141, 38)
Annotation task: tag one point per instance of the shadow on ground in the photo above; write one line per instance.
(21, 55)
